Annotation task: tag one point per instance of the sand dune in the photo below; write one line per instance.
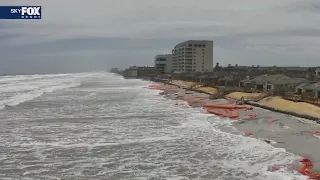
(208, 90)
(238, 95)
(273, 102)
(286, 105)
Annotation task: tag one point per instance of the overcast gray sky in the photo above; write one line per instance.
(82, 35)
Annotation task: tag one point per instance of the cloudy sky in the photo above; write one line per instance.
(82, 35)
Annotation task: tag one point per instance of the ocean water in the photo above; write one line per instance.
(91, 126)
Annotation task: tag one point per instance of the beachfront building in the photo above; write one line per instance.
(139, 71)
(309, 89)
(272, 82)
(163, 63)
(193, 56)
(318, 72)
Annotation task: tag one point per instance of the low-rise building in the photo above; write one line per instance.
(272, 82)
(142, 71)
(245, 83)
(311, 89)
(210, 78)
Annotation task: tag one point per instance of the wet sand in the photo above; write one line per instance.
(291, 133)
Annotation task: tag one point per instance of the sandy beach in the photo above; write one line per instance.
(286, 131)
(282, 104)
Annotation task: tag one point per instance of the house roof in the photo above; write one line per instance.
(259, 79)
(313, 86)
(301, 80)
(277, 79)
(304, 84)
(227, 78)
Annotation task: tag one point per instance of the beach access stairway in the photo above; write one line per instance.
(245, 99)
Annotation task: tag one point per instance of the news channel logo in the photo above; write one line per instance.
(20, 12)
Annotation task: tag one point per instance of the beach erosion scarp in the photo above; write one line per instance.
(295, 135)
(273, 103)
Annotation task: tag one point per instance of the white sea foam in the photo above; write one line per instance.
(243, 151)
(128, 133)
(17, 89)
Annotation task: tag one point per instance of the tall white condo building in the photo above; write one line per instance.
(193, 56)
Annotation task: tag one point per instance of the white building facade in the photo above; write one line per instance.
(163, 63)
(193, 56)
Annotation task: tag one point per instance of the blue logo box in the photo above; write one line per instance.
(20, 12)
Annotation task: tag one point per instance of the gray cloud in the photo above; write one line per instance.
(78, 35)
(304, 6)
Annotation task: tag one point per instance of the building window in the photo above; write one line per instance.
(190, 45)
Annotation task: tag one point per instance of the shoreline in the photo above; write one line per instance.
(257, 104)
(287, 131)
